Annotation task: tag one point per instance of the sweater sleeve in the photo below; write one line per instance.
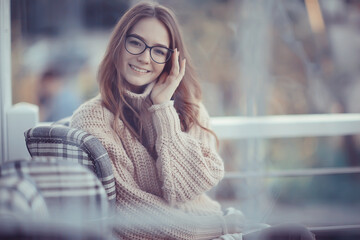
(143, 215)
(188, 164)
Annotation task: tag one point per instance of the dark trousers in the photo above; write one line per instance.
(281, 232)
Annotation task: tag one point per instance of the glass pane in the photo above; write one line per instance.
(253, 57)
(286, 57)
(280, 57)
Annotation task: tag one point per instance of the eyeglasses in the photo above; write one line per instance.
(136, 46)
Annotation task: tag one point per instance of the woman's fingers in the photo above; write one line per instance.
(182, 69)
(177, 72)
(175, 63)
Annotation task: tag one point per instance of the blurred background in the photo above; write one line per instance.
(254, 58)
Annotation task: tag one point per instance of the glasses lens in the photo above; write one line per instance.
(134, 45)
(160, 54)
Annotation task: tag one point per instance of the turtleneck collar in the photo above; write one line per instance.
(139, 100)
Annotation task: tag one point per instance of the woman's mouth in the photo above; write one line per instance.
(137, 69)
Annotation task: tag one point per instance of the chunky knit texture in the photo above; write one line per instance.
(162, 180)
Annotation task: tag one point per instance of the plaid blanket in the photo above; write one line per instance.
(20, 197)
(70, 190)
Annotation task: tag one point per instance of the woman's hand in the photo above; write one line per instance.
(235, 221)
(168, 83)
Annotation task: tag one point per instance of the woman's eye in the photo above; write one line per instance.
(135, 43)
(160, 52)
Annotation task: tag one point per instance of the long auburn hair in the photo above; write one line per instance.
(186, 97)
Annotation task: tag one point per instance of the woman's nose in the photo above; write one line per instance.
(145, 56)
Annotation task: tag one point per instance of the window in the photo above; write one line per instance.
(255, 59)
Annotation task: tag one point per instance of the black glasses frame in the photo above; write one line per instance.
(148, 47)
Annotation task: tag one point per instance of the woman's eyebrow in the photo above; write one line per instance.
(141, 38)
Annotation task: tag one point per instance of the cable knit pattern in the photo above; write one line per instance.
(170, 184)
(187, 167)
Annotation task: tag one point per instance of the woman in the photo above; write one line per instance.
(150, 119)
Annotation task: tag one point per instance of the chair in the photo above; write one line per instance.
(74, 145)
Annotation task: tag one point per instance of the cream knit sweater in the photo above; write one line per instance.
(161, 184)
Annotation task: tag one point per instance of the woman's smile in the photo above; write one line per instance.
(138, 69)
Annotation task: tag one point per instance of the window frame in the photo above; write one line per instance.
(5, 75)
(225, 127)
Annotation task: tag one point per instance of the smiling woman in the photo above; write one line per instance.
(150, 119)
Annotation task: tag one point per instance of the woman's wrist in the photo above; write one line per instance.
(158, 101)
(223, 225)
(154, 107)
(165, 119)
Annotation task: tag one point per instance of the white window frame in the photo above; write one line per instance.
(5, 75)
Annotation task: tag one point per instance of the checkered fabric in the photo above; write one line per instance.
(76, 146)
(70, 190)
(20, 197)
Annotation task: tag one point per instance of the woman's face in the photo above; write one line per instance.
(139, 70)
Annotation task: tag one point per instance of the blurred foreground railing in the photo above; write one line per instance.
(284, 127)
